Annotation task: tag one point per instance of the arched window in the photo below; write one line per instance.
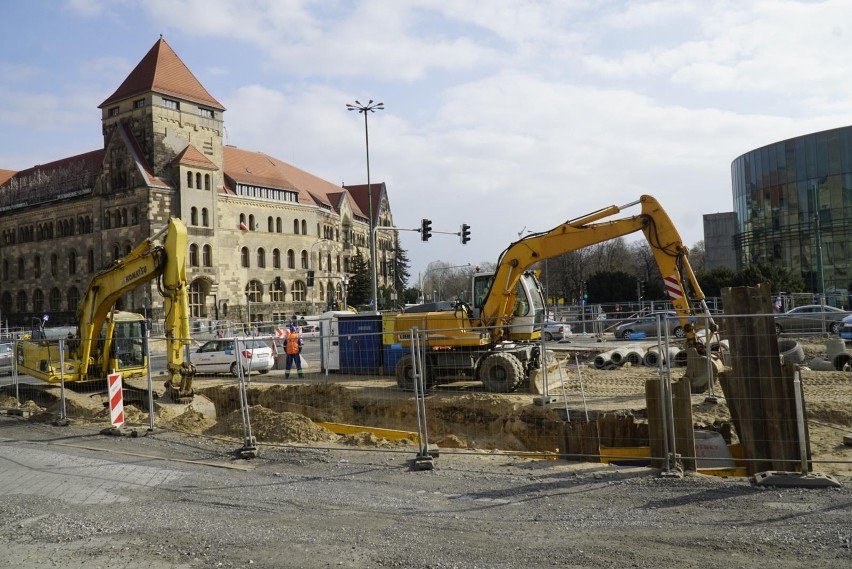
(116, 220)
(296, 226)
(244, 257)
(198, 180)
(251, 224)
(205, 217)
(196, 299)
(254, 290)
(304, 259)
(38, 301)
(134, 215)
(207, 182)
(193, 216)
(193, 255)
(291, 259)
(116, 252)
(279, 228)
(304, 227)
(20, 267)
(21, 304)
(270, 224)
(243, 218)
(54, 264)
(321, 292)
(107, 224)
(55, 300)
(124, 217)
(73, 298)
(261, 258)
(37, 266)
(207, 256)
(300, 292)
(189, 179)
(276, 259)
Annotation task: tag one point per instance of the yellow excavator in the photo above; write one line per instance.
(110, 341)
(497, 339)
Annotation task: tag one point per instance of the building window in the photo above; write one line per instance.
(244, 257)
(205, 217)
(196, 300)
(251, 225)
(20, 267)
(21, 304)
(304, 227)
(278, 295)
(54, 263)
(73, 298)
(291, 259)
(138, 103)
(254, 291)
(270, 224)
(134, 215)
(207, 256)
(193, 255)
(321, 292)
(261, 258)
(296, 226)
(37, 267)
(193, 216)
(276, 259)
(189, 179)
(300, 292)
(304, 259)
(198, 180)
(279, 228)
(106, 222)
(113, 112)
(55, 300)
(171, 104)
(206, 113)
(72, 263)
(207, 182)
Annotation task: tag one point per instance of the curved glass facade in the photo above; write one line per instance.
(793, 201)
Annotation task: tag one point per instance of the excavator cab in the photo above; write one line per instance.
(528, 308)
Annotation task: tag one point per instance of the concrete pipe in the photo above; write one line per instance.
(634, 357)
(652, 356)
(842, 362)
(833, 347)
(679, 357)
(617, 356)
(791, 352)
(603, 360)
(819, 364)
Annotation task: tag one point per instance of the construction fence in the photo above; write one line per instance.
(751, 402)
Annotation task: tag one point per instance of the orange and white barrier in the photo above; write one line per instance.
(116, 400)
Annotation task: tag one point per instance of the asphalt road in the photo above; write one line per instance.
(71, 497)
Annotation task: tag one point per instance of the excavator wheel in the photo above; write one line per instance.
(404, 372)
(501, 373)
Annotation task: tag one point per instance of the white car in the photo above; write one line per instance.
(217, 356)
(6, 359)
(555, 331)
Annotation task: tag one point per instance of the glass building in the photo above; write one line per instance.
(793, 201)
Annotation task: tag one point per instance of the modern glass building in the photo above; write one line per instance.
(793, 201)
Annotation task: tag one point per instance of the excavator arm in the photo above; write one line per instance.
(150, 260)
(666, 244)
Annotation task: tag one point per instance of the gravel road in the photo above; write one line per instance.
(72, 497)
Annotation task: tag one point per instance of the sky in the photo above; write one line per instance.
(506, 115)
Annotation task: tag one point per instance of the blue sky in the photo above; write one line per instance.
(499, 114)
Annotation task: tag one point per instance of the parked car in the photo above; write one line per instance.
(647, 324)
(217, 356)
(811, 318)
(554, 331)
(6, 359)
(846, 328)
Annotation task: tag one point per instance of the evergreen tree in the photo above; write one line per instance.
(360, 281)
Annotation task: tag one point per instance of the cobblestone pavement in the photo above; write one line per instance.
(72, 497)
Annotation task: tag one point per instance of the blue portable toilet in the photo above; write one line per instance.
(360, 343)
(391, 355)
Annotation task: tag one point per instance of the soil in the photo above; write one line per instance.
(460, 417)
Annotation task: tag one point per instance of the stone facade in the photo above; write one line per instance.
(253, 221)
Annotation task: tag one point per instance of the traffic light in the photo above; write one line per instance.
(425, 229)
(640, 289)
(310, 278)
(465, 233)
(277, 283)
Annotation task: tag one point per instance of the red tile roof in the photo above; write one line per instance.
(191, 156)
(256, 168)
(162, 71)
(362, 197)
(6, 175)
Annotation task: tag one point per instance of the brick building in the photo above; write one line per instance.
(256, 224)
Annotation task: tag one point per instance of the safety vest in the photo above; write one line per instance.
(292, 342)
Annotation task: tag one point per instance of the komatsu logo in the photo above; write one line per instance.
(136, 274)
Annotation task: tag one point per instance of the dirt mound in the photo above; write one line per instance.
(190, 421)
(371, 440)
(271, 426)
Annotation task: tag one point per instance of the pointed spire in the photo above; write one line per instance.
(162, 71)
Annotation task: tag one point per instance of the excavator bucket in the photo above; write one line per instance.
(551, 382)
(701, 369)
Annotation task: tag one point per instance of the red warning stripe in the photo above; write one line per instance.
(673, 288)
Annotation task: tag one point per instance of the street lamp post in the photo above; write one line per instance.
(370, 107)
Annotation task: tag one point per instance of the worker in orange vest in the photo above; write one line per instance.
(293, 347)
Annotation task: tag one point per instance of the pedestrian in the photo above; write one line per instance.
(293, 347)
